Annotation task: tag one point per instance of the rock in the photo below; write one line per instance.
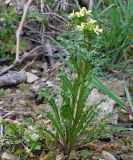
(45, 69)
(18, 6)
(34, 71)
(116, 85)
(121, 157)
(7, 1)
(12, 78)
(124, 149)
(108, 156)
(95, 97)
(50, 84)
(113, 119)
(2, 102)
(131, 118)
(123, 117)
(38, 85)
(33, 8)
(8, 156)
(130, 156)
(31, 77)
(60, 157)
(42, 155)
(106, 106)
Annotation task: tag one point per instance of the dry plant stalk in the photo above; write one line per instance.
(18, 32)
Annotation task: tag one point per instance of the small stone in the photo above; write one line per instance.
(124, 149)
(131, 118)
(33, 8)
(106, 106)
(12, 78)
(38, 85)
(50, 84)
(8, 156)
(123, 157)
(108, 156)
(130, 156)
(34, 71)
(2, 102)
(31, 77)
(123, 117)
(45, 69)
(7, 1)
(116, 85)
(113, 119)
(42, 155)
(43, 79)
(60, 157)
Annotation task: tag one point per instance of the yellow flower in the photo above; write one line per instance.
(81, 26)
(72, 14)
(85, 11)
(97, 30)
(89, 12)
(92, 21)
(82, 12)
(77, 14)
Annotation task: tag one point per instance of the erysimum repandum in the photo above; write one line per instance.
(83, 21)
(82, 12)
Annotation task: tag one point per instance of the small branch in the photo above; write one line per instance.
(91, 4)
(42, 5)
(29, 64)
(25, 55)
(57, 15)
(19, 30)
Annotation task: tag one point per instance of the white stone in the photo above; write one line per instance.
(8, 156)
(31, 77)
(108, 156)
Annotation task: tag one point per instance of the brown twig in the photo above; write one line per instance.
(54, 70)
(57, 15)
(19, 30)
(25, 55)
(29, 64)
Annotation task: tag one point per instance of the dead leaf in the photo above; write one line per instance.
(60, 157)
(42, 155)
(44, 158)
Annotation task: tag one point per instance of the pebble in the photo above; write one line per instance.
(31, 77)
(34, 71)
(8, 156)
(108, 156)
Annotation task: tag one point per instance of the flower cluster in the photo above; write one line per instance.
(82, 12)
(83, 21)
(97, 30)
(90, 26)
